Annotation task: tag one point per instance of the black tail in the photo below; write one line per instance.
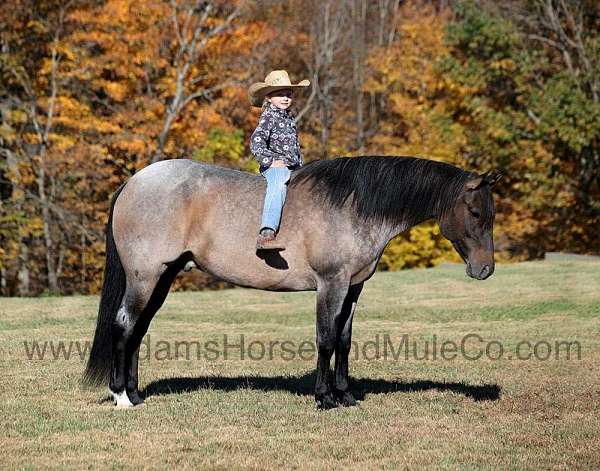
(99, 364)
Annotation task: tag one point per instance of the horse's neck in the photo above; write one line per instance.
(375, 237)
(414, 218)
(391, 229)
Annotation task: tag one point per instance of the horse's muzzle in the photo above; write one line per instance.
(480, 274)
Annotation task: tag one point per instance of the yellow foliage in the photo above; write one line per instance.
(117, 91)
(61, 142)
(405, 72)
(504, 64)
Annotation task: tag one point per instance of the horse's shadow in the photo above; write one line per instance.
(304, 386)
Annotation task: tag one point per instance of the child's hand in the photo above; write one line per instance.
(278, 163)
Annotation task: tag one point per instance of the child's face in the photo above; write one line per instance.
(281, 99)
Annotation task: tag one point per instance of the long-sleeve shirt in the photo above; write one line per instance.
(276, 137)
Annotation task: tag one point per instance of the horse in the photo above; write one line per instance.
(338, 217)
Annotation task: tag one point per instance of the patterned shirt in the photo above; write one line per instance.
(276, 137)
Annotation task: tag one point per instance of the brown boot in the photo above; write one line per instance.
(266, 241)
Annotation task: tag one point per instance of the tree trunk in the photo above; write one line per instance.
(23, 278)
(359, 17)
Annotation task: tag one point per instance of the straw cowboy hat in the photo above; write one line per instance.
(276, 80)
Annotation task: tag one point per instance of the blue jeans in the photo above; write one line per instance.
(277, 177)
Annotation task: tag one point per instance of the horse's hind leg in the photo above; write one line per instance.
(343, 344)
(132, 354)
(135, 300)
(141, 327)
(132, 377)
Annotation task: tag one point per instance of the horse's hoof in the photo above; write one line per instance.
(135, 398)
(326, 402)
(121, 400)
(141, 405)
(347, 399)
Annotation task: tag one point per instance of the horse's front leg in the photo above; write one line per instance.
(343, 345)
(331, 293)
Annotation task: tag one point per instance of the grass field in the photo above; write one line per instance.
(424, 408)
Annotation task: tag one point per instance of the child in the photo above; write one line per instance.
(275, 145)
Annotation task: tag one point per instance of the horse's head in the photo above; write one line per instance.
(468, 224)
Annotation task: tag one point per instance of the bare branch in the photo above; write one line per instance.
(186, 56)
(309, 101)
(207, 92)
(536, 119)
(174, 9)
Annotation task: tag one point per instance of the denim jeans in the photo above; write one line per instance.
(277, 177)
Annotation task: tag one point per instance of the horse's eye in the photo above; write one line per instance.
(475, 213)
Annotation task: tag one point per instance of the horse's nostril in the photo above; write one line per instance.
(485, 271)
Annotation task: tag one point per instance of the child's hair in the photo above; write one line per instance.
(265, 105)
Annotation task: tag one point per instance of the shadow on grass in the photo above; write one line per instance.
(304, 385)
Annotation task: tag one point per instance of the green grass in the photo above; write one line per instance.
(255, 414)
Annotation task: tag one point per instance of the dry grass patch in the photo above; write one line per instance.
(255, 414)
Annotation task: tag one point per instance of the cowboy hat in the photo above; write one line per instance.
(276, 80)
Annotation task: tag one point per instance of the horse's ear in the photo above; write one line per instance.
(491, 178)
(475, 182)
(488, 178)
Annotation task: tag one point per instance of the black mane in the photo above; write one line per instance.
(390, 189)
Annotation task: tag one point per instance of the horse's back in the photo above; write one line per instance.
(171, 184)
(177, 171)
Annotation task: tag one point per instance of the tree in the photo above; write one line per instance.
(31, 95)
(92, 93)
(530, 109)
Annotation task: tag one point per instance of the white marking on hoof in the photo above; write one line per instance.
(121, 400)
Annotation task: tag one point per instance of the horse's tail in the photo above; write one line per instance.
(99, 364)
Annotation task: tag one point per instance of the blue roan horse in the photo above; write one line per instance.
(338, 217)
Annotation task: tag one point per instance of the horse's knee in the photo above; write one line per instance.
(325, 341)
(344, 349)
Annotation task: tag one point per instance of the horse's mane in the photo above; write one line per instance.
(390, 189)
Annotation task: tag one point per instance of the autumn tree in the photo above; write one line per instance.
(36, 138)
(91, 94)
(522, 85)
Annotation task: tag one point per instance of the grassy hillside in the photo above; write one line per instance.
(430, 394)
